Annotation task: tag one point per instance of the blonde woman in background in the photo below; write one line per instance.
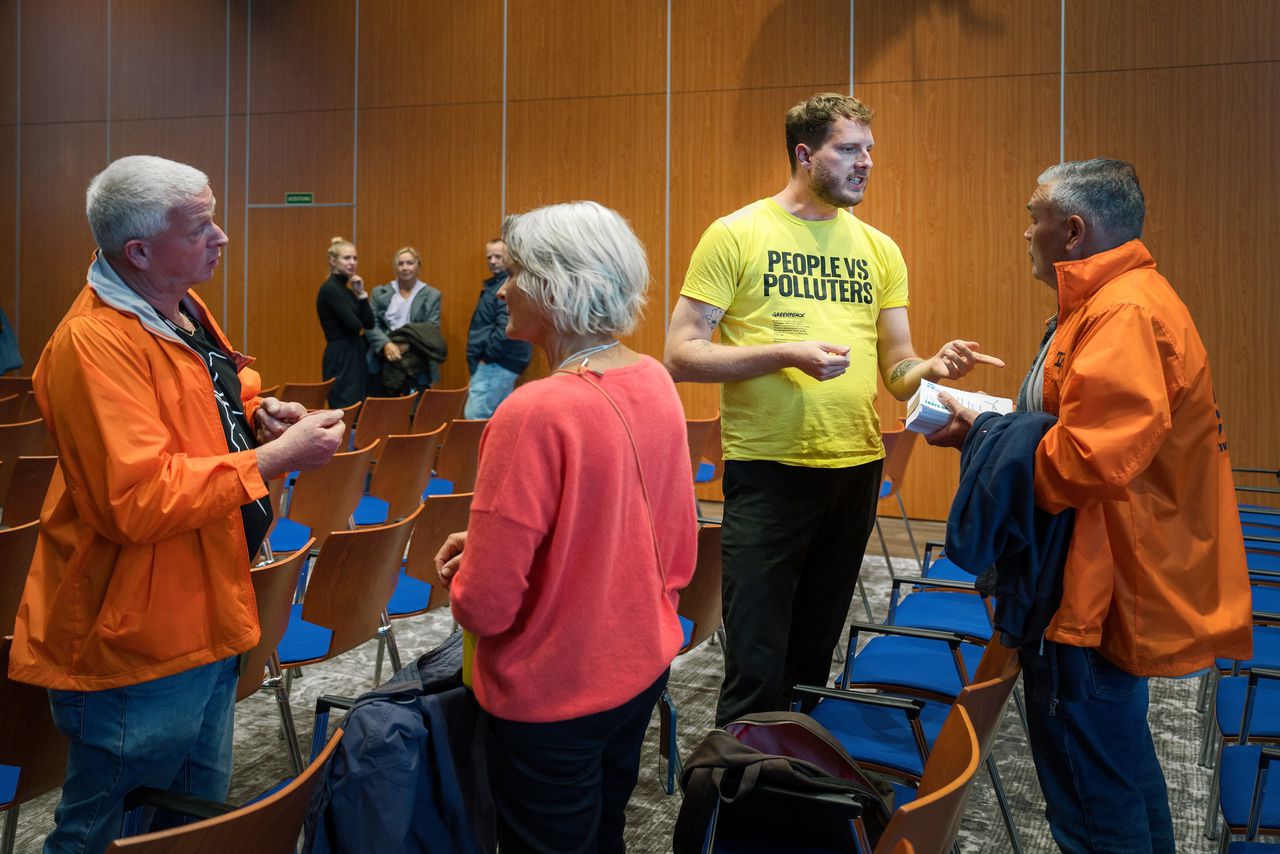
(343, 308)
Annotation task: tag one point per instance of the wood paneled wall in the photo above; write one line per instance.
(423, 122)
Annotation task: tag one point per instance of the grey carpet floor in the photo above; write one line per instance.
(260, 759)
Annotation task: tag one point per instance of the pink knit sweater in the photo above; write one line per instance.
(559, 579)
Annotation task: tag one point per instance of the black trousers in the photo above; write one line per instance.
(793, 541)
(563, 787)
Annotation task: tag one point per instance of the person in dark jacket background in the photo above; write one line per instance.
(495, 361)
(343, 308)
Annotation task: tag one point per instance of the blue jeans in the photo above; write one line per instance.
(490, 385)
(1102, 783)
(171, 733)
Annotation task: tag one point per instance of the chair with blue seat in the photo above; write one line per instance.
(459, 456)
(419, 588)
(381, 417)
(1240, 795)
(701, 612)
(894, 735)
(322, 500)
(17, 546)
(400, 477)
(898, 445)
(269, 824)
(33, 753)
(348, 588)
(310, 395)
(437, 407)
(273, 587)
(698, 431)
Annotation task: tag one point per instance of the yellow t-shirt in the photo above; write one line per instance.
(781, 278)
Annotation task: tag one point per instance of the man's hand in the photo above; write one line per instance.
(391, 352)
(820, 360)
(957, 358)
(450, 556)
(953, 433)
(274, 417)
(306, 444)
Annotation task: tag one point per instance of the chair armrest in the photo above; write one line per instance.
(938, 583)
(952, 638)
(1268, 490)
(146, 796)
(1248, 470)
(1262, 542)
(1265, 618)
(326, 702)
(910, 707)
(320, 731)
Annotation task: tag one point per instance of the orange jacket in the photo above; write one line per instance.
(141, 569)
(1155, 576)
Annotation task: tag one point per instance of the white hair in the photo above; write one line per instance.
(131, 198)
(582, 262)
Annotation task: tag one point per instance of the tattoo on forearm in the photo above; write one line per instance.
(712, 317)
(901, 371)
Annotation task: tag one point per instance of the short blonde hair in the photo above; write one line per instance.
(582, 263)
(406, 250)
(335, 247)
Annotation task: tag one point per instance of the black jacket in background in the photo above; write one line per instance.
(487, 338)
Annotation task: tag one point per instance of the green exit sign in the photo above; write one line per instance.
(298, 198)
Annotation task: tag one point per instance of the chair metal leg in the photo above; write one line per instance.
(1003, 800)
(884, 547)
(667, 739)
(1211, 813)
(1210, 724)
(907, 523)
(1203, 696)
(392, 650)
(1022, 712)
(10, 831)
(866, 603)
(279, 685)
(377, 663)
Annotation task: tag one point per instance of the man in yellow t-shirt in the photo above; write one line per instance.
(809, 302)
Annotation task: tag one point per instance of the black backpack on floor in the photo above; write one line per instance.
(776, 780)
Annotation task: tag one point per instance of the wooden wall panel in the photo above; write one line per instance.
(303, 56)
(411, 182)
(58, 161)
(301, 152)
(415, 54)
(1103, 35)
(1212, 226)
(953, 197)
(583, 48)
(897, 40)
(287, 264)
(9, 272)
(759, 44)
(194, 67)
(10, 59)
(553, 157)
(64, 61)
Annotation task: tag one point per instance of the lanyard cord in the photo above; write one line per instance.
(582, 371)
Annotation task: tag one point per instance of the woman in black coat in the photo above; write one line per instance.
(343, 307)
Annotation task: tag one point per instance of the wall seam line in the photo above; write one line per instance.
(226, 160)
(1062, 82)
(107, 133)
(666, 216)
(248, 93)
(355, 127)
(502, 191)
(17, 195)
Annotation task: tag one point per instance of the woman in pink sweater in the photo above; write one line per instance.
(582, 531)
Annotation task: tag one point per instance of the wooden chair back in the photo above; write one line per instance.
(324, 498)
(985, 699)
(699, 431)
(930, 822)
(349, 416)
(382, 416)
(273, 585)
(21, 439)
(310, 395)
(14, 385)
(460, 453)
(700, 602)
(268, 826)
(403, 471)
(10, 406)
(28, 485)
(441, 516)
(898, 445)
(17, 546)
(352, 580)
(29, 409)
(269, 391)
(28, 738)
(437, 407)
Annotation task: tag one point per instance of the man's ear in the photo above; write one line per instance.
(138, 253)
(803, 153)
(1076, 228)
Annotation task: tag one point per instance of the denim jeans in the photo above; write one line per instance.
(171, 733)
(1102, 783)
(490, 385)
